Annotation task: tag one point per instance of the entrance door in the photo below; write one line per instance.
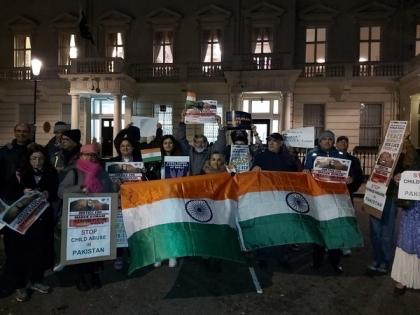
(107, 126)
(263, 128)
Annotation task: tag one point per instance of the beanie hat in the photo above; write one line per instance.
(73, 134)
(326, 134)
(61, 126)
(89, 148)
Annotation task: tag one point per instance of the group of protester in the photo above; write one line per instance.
(64, 166)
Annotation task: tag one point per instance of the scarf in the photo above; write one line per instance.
(91, 173)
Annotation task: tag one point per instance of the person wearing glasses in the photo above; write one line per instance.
(87, 176)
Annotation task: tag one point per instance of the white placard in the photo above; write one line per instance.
(300, 137)
(329, 169)
(147, 125)
(409, 186)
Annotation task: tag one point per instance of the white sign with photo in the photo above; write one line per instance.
(329, 169)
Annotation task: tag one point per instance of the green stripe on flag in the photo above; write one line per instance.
(152, 159)
(280, 229)
(183, 239)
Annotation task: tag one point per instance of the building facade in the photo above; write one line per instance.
(348, 66)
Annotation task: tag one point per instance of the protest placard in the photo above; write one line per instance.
(409, 186)
(377, 185)
(300, 137)
(21, 214)
(147, 125)
(88, 228)
(329, 169)
(121, 235)
(175, 166)
(3, 207)
(120, 172)
(236, 120)
(202, 112)
(240, 158)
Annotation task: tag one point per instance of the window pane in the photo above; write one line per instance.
(107, 107)
(275, 126)
(164, 116)
(275, 106)
(261, 106)
(364, 52)
(375, 52)
(310, 53)
(320, 53)
(376, 33)
(266, 48)
(313, 115)
(73, 48)
(364, 33)
(245, 106)
(217, 53)
(310, 35)
(321, 34)
(258, 48)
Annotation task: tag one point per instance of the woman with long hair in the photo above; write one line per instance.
(31, 254)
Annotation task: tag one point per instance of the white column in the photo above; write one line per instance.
(88, 120)
(287, 110)
(117, 115)
(128, 110)
(75, 111)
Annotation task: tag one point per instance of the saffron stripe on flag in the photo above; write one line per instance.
(151, 155)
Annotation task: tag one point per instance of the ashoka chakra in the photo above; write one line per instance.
(297, 202)
(199, 210)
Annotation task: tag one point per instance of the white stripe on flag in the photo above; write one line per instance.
(173, 211)
(259, 204)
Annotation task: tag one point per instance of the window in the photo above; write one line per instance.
(314, 115)
(163, 47)
(22, 51)
(315, 45)
(66, 48)
(260, 106)
(418, 39)
(370, 43)
(370, 125)
(262, 44)
(164, 115)
(211, 130)
(211, 46)
(115, 45)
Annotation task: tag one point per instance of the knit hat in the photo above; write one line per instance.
(61, 126)
(89, 148)
(276, 136)
(73, 134)
(326, 134)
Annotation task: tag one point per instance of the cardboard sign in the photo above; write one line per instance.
(237, 120)
(202, 112)
(377, 185)
(300, 137)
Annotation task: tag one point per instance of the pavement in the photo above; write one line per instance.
(191, 288)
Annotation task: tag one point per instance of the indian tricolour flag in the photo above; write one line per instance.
(285, 208)
(191, 98)
(151, 155)
(188, 216)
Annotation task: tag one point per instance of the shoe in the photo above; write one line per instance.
(382, 270)
(400, 290)
(346, 252)
(157, 264)
(81, 284)
(96, 281)
(22, 295)
(118, 263)
(40, 287)
(172, 262)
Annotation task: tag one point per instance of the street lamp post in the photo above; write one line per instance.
(36, 66)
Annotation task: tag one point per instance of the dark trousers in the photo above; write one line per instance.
(334, 256)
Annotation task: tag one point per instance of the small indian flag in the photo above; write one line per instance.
(151, 155)
(290, 208)
(191, 98)
(187, 216)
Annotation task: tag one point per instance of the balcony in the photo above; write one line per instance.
(362, 69)
(155, 72)
(96, 66)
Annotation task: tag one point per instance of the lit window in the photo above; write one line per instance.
(370, 43)
(115, 45)
(262, 41)
(245, 105)
(418, 39)
(260, 106)
(163, 47)
(22, 51)
(370, 133)
(164, 115)
(211, 130)
(315, 45)
(67, 48)
(212, 49)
